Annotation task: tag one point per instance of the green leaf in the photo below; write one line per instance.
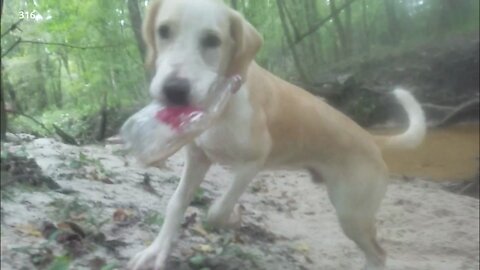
(110, 266)
(60, 263)
(197, 260)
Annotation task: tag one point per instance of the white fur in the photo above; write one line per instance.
(417, 125)
(182, 53)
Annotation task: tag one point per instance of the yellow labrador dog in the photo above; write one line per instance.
(268, 124)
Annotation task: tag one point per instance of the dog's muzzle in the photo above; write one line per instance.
(176, 91)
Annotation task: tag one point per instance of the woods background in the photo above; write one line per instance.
(77, 66)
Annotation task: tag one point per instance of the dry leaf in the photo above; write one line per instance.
(121, 215)
(204, 248)
(73, 227)
(28, 229)
(48, 229)
(97, 263)
(189, 220)
(78, 216)
(302, 248)
(198, 229)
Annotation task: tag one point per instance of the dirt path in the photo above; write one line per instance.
(105, 214)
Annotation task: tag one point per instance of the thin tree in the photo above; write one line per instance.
(394, 29)
(234, 4)
(3, 113)
(348, 31)
(288, 36)
(339, 28)
(366, 28)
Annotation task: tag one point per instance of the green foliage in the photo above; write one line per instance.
(417, 20)
(110, 266)
(72, 79)
(60, 263)
(94, 216)
(154, 219)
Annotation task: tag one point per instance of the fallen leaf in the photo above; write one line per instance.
(60, 263)
(111, 266)
(112, 245)
(147, 186)
(197, 260)
(302, 248)
(78, 216)
(48, 229)
(97, 263)
(42, 257)
(68, 225)
(121, 215)
(28, 229)
(198, 229)
(189, 220)
(106, 180)
(204, 248)
(114, 140)
(99, 238)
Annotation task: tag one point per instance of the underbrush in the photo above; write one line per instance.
(81, 124)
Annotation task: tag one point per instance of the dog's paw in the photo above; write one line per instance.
(235, 220)
(151, 258)
(219, 218)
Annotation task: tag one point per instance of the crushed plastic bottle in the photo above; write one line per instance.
(156, 132)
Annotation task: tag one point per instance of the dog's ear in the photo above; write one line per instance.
(247, 42)
(149, 34)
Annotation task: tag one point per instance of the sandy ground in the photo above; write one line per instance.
(288, 222)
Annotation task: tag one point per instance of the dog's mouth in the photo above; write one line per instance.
(179, 115)
(176, 116)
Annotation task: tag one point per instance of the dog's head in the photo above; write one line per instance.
(191, 42)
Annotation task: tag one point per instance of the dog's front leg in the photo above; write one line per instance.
(197, 165)
(223, 212)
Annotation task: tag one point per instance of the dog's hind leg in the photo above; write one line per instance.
(356, 202)
(223, 212)
(361, 229)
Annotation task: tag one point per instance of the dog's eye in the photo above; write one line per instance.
(211, 41)
(164, 31)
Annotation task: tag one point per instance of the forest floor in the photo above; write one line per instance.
(107, 208)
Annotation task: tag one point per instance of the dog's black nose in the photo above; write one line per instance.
(176, 91)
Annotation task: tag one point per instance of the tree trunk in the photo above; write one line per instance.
(315, 42)
(136, 22)
(234, 4)
(394, 29)
(11, 93)
(64, 61)
(317, 25)
(339, 28)
(290, 19)
(58, 92)
(335, 48)
(281, 11)
(42, 91)
(366, 29)
(320, 44)
(102, 125)
(3, 113)
(348, 31)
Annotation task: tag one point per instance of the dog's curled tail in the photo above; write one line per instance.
(417, 126)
